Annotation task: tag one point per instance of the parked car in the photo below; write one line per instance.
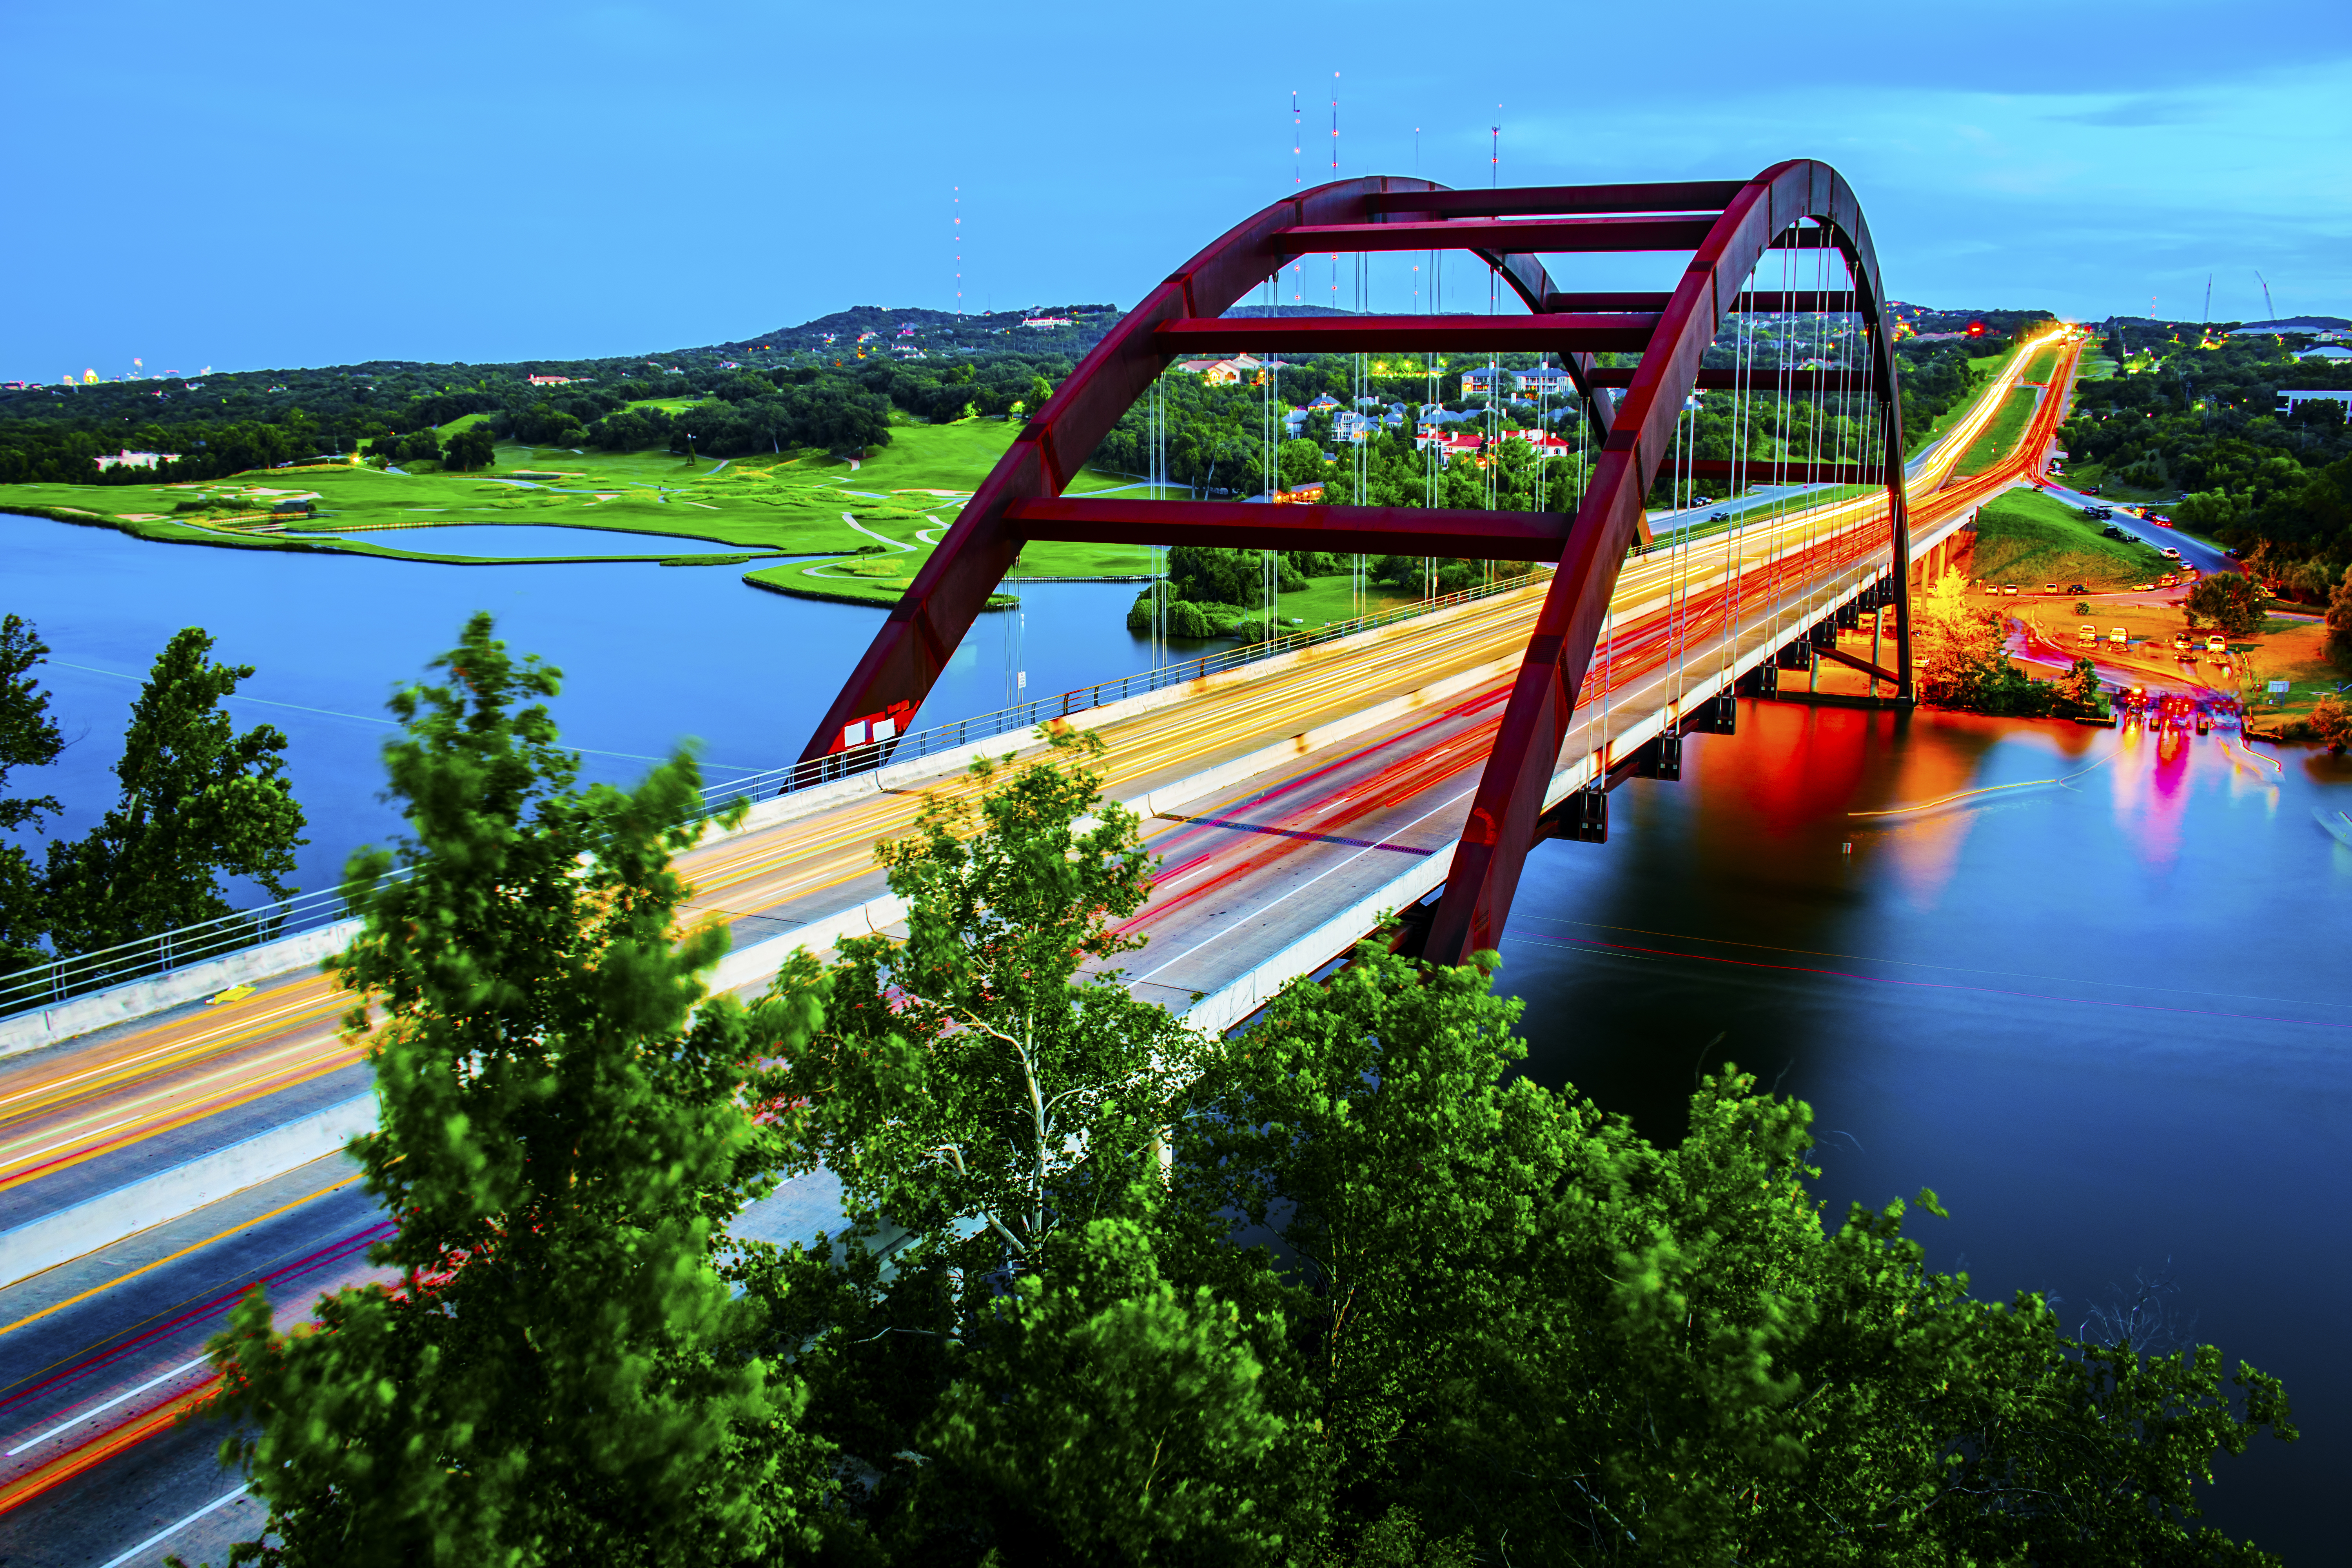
(2119, 637)
(2049, 587)
(2076, 588)
(2181, 643)
(2009, 589)
(2086, 632)
(2166, 580)
(1994, 589)
(2217, 645)
(2145, 588)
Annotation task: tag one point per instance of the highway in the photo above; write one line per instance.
(1292, 802)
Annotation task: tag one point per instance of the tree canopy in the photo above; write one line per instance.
(1342, 1288)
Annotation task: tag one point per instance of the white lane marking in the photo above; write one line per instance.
(169, 1531)
(102, 1409)
(1310, 881)
(15, 1159)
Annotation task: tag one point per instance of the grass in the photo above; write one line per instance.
(2025, 537)
(2002, 435)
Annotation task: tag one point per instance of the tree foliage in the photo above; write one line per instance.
(559, 1375)
(29, 738)
(199, 799)
(2231, 602)
(2339, 622)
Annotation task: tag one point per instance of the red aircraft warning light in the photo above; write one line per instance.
(1976, 329)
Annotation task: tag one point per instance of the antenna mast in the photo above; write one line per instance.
(1335, 175)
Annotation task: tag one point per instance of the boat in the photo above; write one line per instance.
(2336, 823)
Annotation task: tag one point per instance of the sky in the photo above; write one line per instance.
(250, 186)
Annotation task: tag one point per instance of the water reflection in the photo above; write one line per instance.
(2109, 1018)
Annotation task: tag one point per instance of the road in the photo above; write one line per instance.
(1284, 798)
(2195, 553)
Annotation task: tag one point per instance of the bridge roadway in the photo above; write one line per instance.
(1294, 803)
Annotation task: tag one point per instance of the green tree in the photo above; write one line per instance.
(29, 738)
(1519, 1319)
(2331, 724)
(1104, 1414)
(2081, 687)
(2339, 623)
(559, 1374)
(1300, 462)
(199, 800)
(472, 447)
(990, 1078)
(2231, 602)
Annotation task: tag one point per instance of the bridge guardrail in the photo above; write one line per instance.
(75, 974)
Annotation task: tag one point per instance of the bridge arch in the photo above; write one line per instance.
(1726, 227)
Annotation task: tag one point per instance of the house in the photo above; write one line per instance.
(127, 459)
(2326, 352)
(1048, 323)
(1348, 425)
(1323, 404)
(2287, 401)
(1225, 372)
(1544, 381)
(550, 380)
(1545, 443)
(1482, 380)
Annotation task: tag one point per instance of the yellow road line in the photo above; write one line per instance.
(174, 1257)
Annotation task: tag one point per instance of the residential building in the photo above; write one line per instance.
(550, 380)
(2287, 401)
(1227, 372)
(1544, 381)
(1048, 323)
(127, 459)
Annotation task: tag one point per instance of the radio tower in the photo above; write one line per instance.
(1335, 175)
(1297, 147)
(959, 250)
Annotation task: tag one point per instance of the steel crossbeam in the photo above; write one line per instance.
(1584, 332)
(1348, 530)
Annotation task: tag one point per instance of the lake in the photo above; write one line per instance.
(652, 656)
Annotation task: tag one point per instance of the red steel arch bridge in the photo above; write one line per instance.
(1798, 219)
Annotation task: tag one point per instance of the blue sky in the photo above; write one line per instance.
(251, 185)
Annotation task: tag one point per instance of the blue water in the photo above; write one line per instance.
(496, 540)
(2108, 1020)
(652, 656)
